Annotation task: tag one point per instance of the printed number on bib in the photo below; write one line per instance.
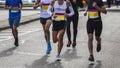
(16, 9)
(93, 14)
(45, 6)
(59, 17)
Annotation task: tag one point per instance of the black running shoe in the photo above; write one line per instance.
(74, 44)
(16, 42)
(98, 47)
(91, 58)
(69, 43)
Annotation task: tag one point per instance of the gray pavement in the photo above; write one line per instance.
(31, 52)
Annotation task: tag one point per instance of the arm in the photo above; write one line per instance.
(37, 4)
(6, 5)
(50, 8)
(102, 9)
(21, 4)
(70, 8)
(85, 13)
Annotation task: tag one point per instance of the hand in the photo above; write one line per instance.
(20, 8)
(54, 16)
(9, 7)
(66, 15)
(37, 5)
(85, 14)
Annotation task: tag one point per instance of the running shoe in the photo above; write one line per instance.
(58, 58)
(16, 42)
(74, 44)
(69, 43)
(91, 58)
(48, 48)
(98, 47)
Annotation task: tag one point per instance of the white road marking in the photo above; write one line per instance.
(4, 38)
(27, 53)
(22, 41)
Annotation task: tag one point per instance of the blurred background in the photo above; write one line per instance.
(29, 3)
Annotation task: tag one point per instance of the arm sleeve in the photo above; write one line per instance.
(71, 11)
(49, 10)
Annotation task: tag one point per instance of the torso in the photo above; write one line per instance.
(44, 7)
(60, 10)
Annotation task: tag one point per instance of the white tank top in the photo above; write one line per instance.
(60, 10)
(44, 7)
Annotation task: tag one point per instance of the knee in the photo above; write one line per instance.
(14, 28)
(60, 38)
(90, 38)
(75, 29)
(97, 38)
(46, 28)
(54, 41)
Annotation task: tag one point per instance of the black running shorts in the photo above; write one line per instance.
(94, 25)
(43, 20)
(58, 25)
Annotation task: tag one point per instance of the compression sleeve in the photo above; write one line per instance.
(71, 11)
(49, 10)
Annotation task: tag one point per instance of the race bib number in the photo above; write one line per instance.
(93, 14)
(15, 9)
(45, 6)
(60, 17)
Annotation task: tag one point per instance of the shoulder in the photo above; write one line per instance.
(68, 3)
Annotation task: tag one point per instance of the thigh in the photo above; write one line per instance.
(43, 21)
(48, 23)
(11, 21)
(75, 21)
(69, 19)
(54, 36)
(90, 27)
(61, 33)
(98, 28)
(16, 22)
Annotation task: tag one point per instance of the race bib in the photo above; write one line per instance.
(93, 14)
(45, 6)
(15, 9)
(60, 17)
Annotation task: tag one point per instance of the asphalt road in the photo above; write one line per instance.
(31, 52)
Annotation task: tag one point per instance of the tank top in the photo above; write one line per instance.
(44, 7)
(60, 10)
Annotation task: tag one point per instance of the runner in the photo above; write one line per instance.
(45, 20)
(94, 24)
(14, 7)
(74, 19)
(59, 15)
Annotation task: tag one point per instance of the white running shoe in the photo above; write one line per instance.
(58, 58)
